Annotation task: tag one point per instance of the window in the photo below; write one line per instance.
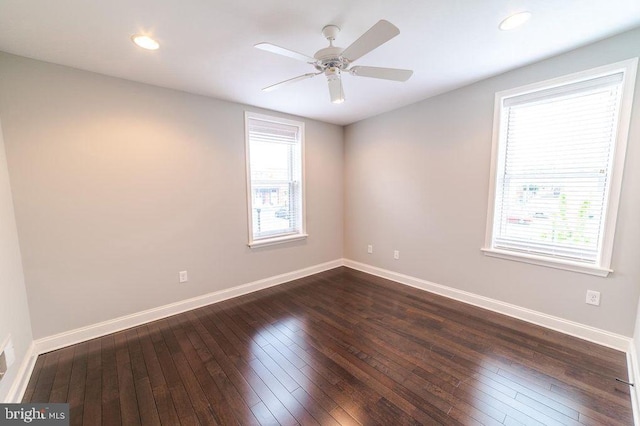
(558, 154)
(275, 152)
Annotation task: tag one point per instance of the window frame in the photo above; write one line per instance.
(280, 237)
(603, 267)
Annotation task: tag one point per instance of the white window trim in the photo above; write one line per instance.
(629, 67)
(263, 242)
(278, 239)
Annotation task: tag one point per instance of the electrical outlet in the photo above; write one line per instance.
(183, 276)
(593, 297)
(396, 254)
(369, 249)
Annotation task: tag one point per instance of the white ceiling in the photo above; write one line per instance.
(207, 45)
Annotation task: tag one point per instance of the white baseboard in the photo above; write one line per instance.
(585, 332)
(21, 381)
(57, 341)
(632, 366)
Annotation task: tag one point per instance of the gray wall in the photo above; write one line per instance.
(417, 180)
(119, 185)
(14, 311)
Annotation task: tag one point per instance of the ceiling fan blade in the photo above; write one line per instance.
(336, 93)
(284, 52)
(377, 35)
(290, 81)
(383, 73)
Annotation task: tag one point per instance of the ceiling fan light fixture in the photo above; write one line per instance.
(335, 86)
(514, 21)
(145, 42)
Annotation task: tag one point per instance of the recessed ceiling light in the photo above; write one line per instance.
(145, 42)
(514, 21)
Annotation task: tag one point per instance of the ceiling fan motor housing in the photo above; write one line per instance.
(329, 57)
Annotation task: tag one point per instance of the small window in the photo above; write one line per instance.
(275, 152)
(558, 154)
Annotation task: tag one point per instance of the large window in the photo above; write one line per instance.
(275, 152)
(558, 155)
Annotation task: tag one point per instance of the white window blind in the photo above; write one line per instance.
(554, 168)
(274, 156)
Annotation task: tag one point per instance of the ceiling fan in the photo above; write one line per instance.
(333, 61)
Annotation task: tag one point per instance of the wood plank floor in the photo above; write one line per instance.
(340, 347)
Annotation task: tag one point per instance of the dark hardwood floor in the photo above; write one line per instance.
(340, 347)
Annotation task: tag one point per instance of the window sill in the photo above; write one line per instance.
(541, 261)
(277, 240)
